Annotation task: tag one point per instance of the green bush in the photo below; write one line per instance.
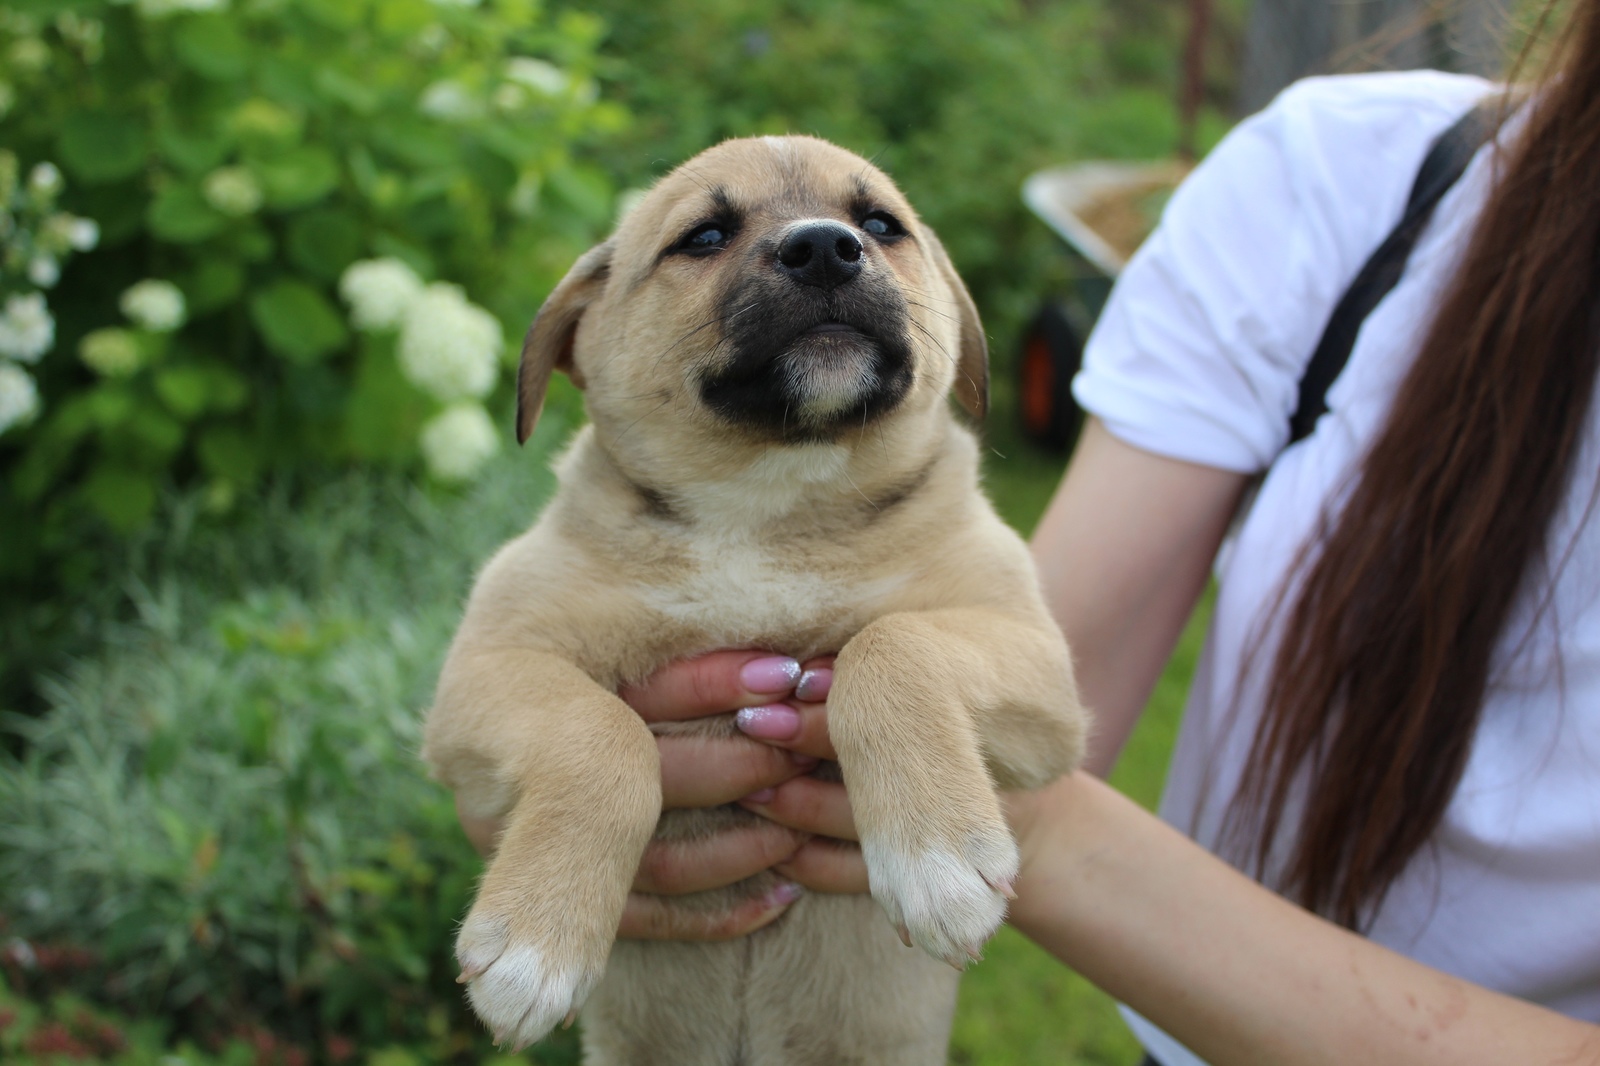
(238, 160)
(224, 805)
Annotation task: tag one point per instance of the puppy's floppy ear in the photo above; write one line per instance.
(548, 345)
(972, 365)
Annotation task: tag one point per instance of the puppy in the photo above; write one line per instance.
(766, 342)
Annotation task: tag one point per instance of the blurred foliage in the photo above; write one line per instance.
(957, 101)
(222, 820)
(249, 155)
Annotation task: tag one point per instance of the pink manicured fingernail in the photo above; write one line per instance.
(814, 685)
(761, 796)
(775, 674)
(777, 722)
(784, 893)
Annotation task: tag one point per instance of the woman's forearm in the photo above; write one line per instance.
(1123, 553)
(1234, 971)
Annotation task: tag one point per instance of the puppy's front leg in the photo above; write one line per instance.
(576, 774)
(919, 700)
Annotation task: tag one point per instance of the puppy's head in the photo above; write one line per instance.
(770, 290)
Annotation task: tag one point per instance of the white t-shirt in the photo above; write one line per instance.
(1199, 355)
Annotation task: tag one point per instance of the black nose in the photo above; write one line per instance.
(824, 254)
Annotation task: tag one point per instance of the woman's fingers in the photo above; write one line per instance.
(713, 684)
(663, 918)
(804, 803)
(796, 725)
(698, 865)
(701, 771)
(827, 866)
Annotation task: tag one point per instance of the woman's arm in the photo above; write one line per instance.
(1123, 553)
(1237, 973)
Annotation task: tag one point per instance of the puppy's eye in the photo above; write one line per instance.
(883, 225)
(705, 238)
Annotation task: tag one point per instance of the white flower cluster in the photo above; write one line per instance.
(378, 292)
(154, 305)
(232, 190)
(448, 347)
(34, 239)
(449, 101)
(19, 397)
(27, 329)
(458, 441)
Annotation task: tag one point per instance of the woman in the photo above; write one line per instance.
(1396, 721)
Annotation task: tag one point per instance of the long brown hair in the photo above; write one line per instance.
(1377, 686)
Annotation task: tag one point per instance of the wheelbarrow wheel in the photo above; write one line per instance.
(1051, 353)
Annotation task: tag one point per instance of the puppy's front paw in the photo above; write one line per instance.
(522, 985)
(948, 900)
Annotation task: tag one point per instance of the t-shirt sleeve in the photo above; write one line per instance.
(1200, 350)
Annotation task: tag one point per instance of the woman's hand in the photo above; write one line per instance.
(809, 835)
(781, 709)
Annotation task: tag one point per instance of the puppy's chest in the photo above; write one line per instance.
(734, 589)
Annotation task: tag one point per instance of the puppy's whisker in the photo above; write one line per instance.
(932, 310)
(937, 343)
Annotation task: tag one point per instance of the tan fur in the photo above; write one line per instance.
(675, 532)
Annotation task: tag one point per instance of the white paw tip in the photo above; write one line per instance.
(521, 998)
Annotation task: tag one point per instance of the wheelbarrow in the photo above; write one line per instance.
(1101, 211)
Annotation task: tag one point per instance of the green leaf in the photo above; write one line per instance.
(298, 177)
(183, 389)
(297, 321)
(159, 435)
(404, 17)
(213, 47)
(339, 14)
(227, 452)
(180, 214)
(214, 283)
(123, 497)
(196, 153)
(384, 412)
(98, 147)
(323, 243)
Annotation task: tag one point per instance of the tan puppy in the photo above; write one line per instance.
(766, 342)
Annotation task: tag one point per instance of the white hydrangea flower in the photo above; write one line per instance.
(64, 232)
(458, 441)
(82, 233)
(233, 191)
(27, 330)
(19, 397)
(155, 305)
(45, 180)
(449, 348)
(449, 101)
(379, 291)
(43, 270)
(112, 353)
(537, 74)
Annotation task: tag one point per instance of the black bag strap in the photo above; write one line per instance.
(1445, 162)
